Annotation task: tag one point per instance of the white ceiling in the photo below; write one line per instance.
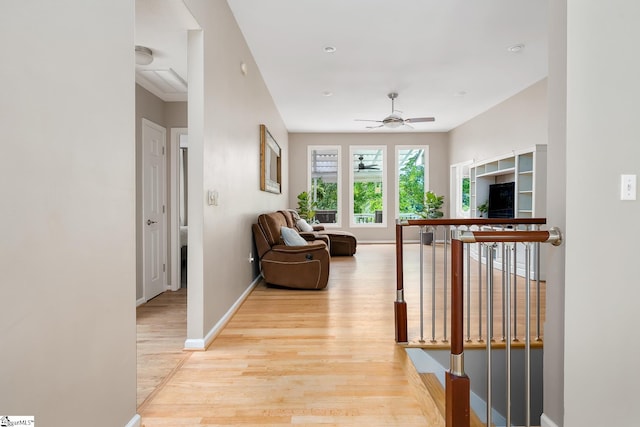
(447, 59)
(162, 25)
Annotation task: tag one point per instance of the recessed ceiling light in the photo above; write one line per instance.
(460, 93)
(329, 49)
(516, 48)
(327, 93)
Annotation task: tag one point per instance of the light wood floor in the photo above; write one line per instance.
(290, 357)
(303, 358)
(162, 329)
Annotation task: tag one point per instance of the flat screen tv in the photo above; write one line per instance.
(501, 200)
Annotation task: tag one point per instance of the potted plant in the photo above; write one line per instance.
(306, 207)
(483, 208)
(432, 209)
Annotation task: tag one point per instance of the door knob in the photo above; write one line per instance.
(149, 222)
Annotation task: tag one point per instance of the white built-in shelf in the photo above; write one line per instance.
(497, 172)
(527, 168)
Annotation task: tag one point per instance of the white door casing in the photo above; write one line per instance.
(154, 240)
(174, 191)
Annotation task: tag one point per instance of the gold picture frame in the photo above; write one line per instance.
(270, 163)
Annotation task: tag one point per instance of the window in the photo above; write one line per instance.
(412, 180)
(367, 187)
(460, 185)
(325, 182)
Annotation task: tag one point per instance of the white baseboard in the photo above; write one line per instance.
(135, 421)
(546, 421)
(140, 302)
(202, 344)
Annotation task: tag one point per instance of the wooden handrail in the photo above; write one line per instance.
(474, 221)
(552, 236)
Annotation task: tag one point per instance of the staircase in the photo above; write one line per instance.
(430, 365)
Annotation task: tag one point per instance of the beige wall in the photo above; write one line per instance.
(553, 405)
(438, 170)
(168, 115)
(67, 253)
(602, 232)
(519, 122)
(175, 115)
(225, 111)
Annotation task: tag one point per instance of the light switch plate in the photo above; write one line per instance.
(212, 198)
(627, 187)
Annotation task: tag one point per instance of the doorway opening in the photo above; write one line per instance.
(179, 149)
(163, 88)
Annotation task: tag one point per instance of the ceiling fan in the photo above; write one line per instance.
(394, 120)
(362, 166)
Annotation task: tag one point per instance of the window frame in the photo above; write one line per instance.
(353, 150)
(427, 170)
(459, 171)
(309, 186)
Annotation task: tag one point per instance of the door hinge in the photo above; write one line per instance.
(163, 150)
(162, 208)
(164, 268)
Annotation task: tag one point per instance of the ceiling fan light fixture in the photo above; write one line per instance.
(393, 121)
(329, 49)
(144, 55)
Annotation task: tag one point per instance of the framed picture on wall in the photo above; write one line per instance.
(270, 163)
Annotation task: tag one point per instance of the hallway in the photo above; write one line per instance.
(303, 358)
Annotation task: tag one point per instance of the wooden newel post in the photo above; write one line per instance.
(400, 305)
(456, 381)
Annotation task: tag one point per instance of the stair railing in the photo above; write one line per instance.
(449, 228)
(490, 236)
(457, 383)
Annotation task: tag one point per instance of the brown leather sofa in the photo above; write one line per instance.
(341, 243)
(301, 267)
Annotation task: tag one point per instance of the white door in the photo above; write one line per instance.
(153, 209)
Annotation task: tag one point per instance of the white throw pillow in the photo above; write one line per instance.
(291, 237)
(303, 225)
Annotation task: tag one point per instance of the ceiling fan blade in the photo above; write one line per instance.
(375, 127)
(366, 120)
(371, 167)
(420, 119)
(408, 125)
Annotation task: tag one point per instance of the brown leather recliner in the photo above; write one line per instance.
(339, 242)
(301, 267)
